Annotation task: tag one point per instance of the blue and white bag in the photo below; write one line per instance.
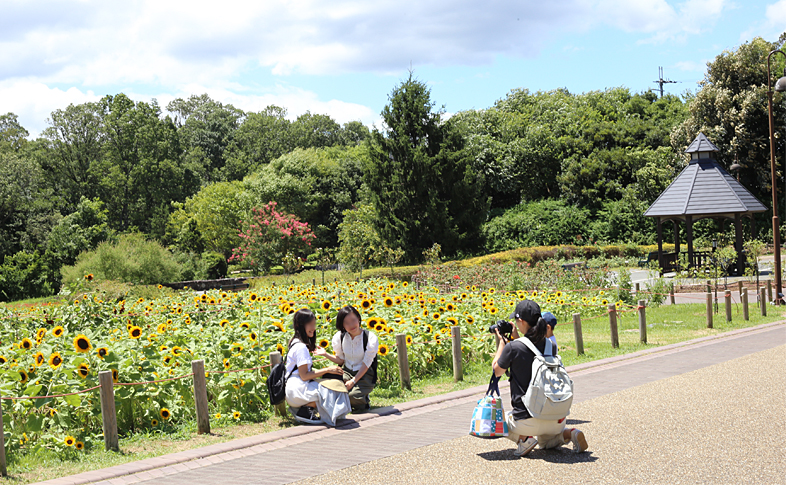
(488, 419)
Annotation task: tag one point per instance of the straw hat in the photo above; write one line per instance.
(333, 384)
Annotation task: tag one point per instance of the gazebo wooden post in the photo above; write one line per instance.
(738, 243)
(689, 237)
(676, 238)
(660, 245)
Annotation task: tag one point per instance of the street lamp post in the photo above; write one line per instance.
(780, 86)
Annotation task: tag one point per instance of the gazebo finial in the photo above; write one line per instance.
(701, 147)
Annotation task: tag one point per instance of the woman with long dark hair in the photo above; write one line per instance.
(302, 391)
(517, 356)
(356, 351)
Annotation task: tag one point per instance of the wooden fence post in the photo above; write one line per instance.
(200, 396)
(638, 289)
(745, 314)
(709, 286)
(275, 358)
(403, 363)
(615, 339)
(671, 296)
(642, 321)
(769, 290)
(458, 371)
(577, 334)
(763, 301)
(739, 288)
(727, 297)
(108, 413)
(313, 282)
(3, 468)
(709, 310)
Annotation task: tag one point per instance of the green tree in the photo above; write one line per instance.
(420, 179)
(358, 238)
(262, 137)
(210, 219)
(315, 184)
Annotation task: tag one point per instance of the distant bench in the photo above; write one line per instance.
(652, 256)
(570, 266)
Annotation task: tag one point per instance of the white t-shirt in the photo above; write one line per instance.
(351, 350)
(297, 356)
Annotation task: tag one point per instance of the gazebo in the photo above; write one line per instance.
(702, 190)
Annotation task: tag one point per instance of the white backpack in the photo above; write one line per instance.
(550, 392)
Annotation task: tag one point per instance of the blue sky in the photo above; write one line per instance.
(344, 57)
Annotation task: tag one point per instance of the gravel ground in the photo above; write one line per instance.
(720, 424)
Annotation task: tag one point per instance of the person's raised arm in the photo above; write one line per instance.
(499, 370)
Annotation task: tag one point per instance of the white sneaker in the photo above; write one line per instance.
(525, 446)
(579, 440)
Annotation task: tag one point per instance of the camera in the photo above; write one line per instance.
(504, 327)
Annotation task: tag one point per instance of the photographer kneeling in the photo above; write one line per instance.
(516, 356)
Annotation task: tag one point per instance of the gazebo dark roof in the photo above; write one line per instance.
(704, 188)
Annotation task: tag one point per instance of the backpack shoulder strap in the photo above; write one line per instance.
(365, 339)
(530, 346)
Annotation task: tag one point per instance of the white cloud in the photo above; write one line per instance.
(776, 17)
(179, 48)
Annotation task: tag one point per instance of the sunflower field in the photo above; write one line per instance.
(149, 344)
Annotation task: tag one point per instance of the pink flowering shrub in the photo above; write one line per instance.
(268, 236)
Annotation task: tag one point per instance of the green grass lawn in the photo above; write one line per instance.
(666, 325)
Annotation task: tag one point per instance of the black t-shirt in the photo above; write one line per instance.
(518, 358)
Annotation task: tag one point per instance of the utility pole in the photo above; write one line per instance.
(660, 82)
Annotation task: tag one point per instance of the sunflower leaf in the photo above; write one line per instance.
(73, 400)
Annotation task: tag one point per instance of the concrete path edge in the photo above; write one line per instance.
(241, 443)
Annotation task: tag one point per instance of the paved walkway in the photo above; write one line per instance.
(303, 452)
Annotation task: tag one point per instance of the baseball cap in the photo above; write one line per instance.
(551, 320)
(527, 310)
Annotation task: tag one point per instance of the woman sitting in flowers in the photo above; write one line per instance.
(356, 350)
(302, 391)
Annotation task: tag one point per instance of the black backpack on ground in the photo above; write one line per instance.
(365, 345)
(277, 382)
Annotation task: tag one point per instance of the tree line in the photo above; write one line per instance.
(546, 167)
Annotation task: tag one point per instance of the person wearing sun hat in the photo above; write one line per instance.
(516, 356)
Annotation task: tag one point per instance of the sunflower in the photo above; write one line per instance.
(379, 327)
(217, 415)
(404, 284)
(236, 415)
(604, 302)
(82, 344)
(115, 375)
(383, 350)
(69, 441)
(409, 339)
(163, 348)
(388, 302)
(365, 304)
(324, 343)
(101, 352)
(429, 328)
(223, 323)
(237, 348)
(83, 370)
(493, 310)
(280, 348)
(134, 332)
(252, 336)
(26, 344)
(154, 422)
(227, 364)
(167, 359)
(453, 321)
(450, 307)
(39, 335)
(3, 360)
(23, 377)
(470, 319)
(325, 305)
(39, 359)
(164, 413)
(245, 325)
(161, 328)
(55, 360)
(435, 316)
(252, 297)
